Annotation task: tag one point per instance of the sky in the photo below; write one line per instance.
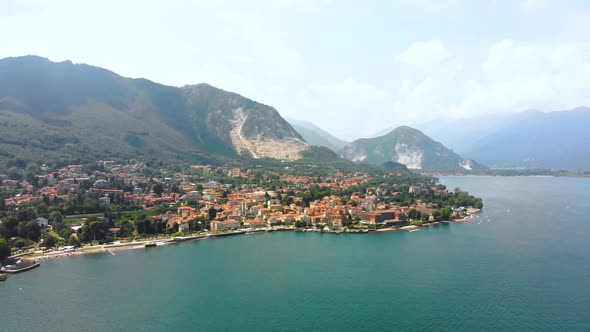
(351, 67)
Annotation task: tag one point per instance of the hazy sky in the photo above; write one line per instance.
(352, 67)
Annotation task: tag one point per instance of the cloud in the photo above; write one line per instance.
(347, 108)
(519, 75)
(426, 94)
(511, 76)
(424, 55)
(254, 36)
(350, 90)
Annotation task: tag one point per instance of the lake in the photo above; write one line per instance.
(522, 264)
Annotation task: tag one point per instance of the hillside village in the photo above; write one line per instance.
(106, 201)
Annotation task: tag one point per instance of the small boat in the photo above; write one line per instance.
(3, 277)
(413, 230)
(150, 245)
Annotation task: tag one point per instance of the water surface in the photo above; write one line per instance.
(523, 264)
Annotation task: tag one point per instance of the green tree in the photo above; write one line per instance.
(55, 216)
(212, 213)
(73, 240)
(49, 241)
(29, 230)
(414, 214)
(445, 213)
(4, 249)
(10, 226)
(436, 214)
(158, 189)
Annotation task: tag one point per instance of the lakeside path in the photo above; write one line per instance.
(112, 248)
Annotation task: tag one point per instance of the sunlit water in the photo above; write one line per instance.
(523, 264)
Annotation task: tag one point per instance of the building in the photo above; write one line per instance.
(186, 211)
(105, 200)
(42, 222)
(379, 217)
(224, 224)
(255, 223)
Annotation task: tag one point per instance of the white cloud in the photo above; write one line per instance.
(252, 34)
(350, 90)
(424, 55)
(518, 76)
(512, 76)
(426, 95)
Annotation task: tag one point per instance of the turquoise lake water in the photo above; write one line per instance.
(522, 265)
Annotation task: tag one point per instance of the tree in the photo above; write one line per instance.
(445, 213)
(4, 249)
(49, 240)
(158, 189)
(10, 226)
(55, 216)
(414, 214)
(73, 240)
(300, 224)
(212, 213)
(127, 229)
(436, 214)
(29, 230)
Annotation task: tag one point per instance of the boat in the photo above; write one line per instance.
(3, 277)
(150, 245)
(413, 230)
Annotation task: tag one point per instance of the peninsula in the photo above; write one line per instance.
(105, 204)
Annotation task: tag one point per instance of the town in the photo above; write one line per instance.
(104, 204)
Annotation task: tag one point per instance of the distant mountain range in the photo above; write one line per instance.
(315, 135)
(65, 111)
(62, 111)
(529, 139)
(533, 139)
(410, 147)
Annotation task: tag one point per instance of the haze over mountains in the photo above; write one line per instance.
(315, 135)
(529, 139)
(533, 139)
(62, 111)
(410, 147)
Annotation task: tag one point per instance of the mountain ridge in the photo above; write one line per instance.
(410, 147)
(315, 135)
(51, 109)
(554, 140)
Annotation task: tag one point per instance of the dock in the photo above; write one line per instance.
(19, 270)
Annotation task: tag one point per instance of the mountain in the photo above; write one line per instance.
(534, 139)
(53, 111)
(315, 135)
(410, 147)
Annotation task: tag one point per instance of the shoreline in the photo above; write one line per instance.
(111, 249)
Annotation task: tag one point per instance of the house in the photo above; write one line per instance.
(42, 222)
(254, 223)
(225, 224)
(183, 226)
(379, 217)
(105, 200)
(115, 231)
(186, 211)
